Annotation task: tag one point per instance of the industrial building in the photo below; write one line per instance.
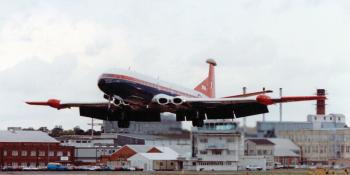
(321, 145)
(32, 149)
(88, 149)
(321, 138)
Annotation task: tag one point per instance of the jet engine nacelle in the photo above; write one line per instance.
(117, 101)
(177, 100)
(162, 99)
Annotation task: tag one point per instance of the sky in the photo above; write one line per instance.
(59, 48)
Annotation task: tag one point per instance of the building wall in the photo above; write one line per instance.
(34, 154)
(319, 146)
(253, 149)
(165, 165)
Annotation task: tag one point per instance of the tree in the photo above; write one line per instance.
(56, 131)
(78, 131)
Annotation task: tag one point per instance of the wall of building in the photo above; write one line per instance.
(319, 146)
(34, 154)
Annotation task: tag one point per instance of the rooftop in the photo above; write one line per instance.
(261, 141)
(26, 136)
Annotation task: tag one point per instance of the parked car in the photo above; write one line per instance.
(253, 168)
(56, 167)
(30, 169)
(278, 165)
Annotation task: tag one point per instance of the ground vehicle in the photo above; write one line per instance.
(278, 165)
(253, 168)
(56, 167)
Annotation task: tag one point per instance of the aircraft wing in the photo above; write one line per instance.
(54, 103)
(217, 108)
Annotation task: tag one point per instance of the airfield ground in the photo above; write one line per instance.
(273, 172)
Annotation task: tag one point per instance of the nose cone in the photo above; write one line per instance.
(102, 84)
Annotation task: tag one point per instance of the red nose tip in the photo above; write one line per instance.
(264, 99)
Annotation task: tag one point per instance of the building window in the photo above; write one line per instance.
(216, 152)
(51, 153)
(24, 153)
(5, 153)
(14, 153)
(14, 164)
(68, 153)
(24, 164)
(230, 140)
(203, 152)
(203, 140)
(59, 153)
(33, 153)
(160, 163)
(41, 153)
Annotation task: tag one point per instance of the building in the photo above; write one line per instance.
(261, 148)
(156, 159)
(32, 149)
(215, 146)
(145, 157)
(120, 158)
(320, 146)
(286, 152)
(168, 125)
(330, 121)
(90, 150)
(181, 140)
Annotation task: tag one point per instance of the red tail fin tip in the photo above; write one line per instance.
(207, 86)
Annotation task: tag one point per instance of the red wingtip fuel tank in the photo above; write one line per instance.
(51, 102)
(264, 99)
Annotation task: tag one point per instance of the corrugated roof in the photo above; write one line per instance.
(261, 141)
(26, 136)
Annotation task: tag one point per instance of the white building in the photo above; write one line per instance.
(216, 146)
(165, 160)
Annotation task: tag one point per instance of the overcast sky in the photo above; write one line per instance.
(57, 49)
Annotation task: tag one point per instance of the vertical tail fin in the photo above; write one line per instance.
(207, 86)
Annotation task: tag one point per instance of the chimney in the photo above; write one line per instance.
(321, 105)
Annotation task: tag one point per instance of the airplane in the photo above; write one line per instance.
(135, 97)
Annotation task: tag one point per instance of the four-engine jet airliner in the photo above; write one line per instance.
(135, 97)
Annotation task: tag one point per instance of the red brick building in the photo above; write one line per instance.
(32, 149)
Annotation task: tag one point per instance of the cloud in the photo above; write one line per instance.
(297, 45)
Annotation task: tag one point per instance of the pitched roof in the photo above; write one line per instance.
(140, 148)
(159, 156)
(261, 141)
(166, 154)
(285, 147)
(26, 136)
